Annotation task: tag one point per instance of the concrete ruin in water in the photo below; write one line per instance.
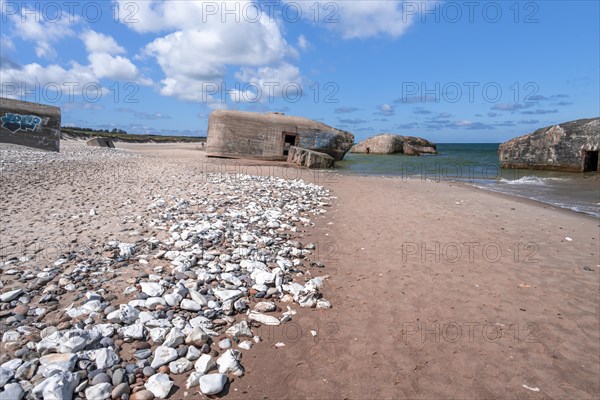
(571, 147)
(240, 134)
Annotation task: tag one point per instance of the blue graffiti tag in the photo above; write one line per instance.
(14, 122)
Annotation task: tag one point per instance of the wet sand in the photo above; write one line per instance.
(438, 290)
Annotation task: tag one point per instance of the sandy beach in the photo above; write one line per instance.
(438, 290)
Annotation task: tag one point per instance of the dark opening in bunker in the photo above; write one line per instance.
(590, 161)
(289, 139)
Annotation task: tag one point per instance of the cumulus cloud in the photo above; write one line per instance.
(386, 110)
(104, 65)
(96, 42)
(32, 25)
(359, 19)
(303, 43)
(71, 80)
(195, 47)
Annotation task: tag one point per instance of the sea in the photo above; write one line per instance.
(477, 164)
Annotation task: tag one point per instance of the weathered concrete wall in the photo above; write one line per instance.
(101, 142)
(239, 134)
(387, 143)
(29, 124)
(559, 147)
(309, 158)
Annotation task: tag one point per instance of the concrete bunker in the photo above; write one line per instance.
(101, 142)
(30, 124)
(270, 136)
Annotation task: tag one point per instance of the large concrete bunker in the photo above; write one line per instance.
(240, 134)
(29, 124)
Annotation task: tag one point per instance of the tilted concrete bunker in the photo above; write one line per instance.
(29, 124)
(571, 146)
(240, 134)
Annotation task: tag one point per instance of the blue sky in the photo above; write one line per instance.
(449, 71)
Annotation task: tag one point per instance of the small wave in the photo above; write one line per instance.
(526, 180)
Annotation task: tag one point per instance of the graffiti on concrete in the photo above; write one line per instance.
(16, 122)
(317, 139)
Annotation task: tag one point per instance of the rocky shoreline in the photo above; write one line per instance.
(224, 261)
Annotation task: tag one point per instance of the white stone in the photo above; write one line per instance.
(265, 306)
(158, 335)
(106, 358)
(173, 299)
(11, 336)
(12, 391)
(174, 338)
(198, 298)
(52, 364)
(162, 356)
(152, 302)
(197, 337)
(6, 375)
(58, 386)
(11, 295)
(193, 353)
(152, 289)
(193, 379)
(225, 295)
(190, 305)
(239, 330)
(180, 366)
(128, 314)
(100, 391)
(160, 385)
(135, 331)
(228, 363)
(246, 345)
(225, 343)
(212, 383)
(126, 250)
(263, 318)
(204, 363)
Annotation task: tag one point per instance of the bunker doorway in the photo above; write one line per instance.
(590, 161)
(289, 139)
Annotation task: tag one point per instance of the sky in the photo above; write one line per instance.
(448, 71)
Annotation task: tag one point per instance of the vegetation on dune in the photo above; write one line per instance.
(121, 135)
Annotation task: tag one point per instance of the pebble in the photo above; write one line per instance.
(215, 264)
(160, 385)
(120, 390)
(98, 392)
(212, 383)
(142, 395)
(101, 378)
(10, 295)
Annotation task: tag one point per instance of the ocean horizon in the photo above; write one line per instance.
(477, 164)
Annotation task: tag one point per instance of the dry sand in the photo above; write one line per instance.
(409, 319)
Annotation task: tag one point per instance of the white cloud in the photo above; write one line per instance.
(96, 42)
(6, 43)
(360, 19)
(303, 43)
(104, 65)
(386, 110)
(196, 50)
(32, 25)
(281, 80)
